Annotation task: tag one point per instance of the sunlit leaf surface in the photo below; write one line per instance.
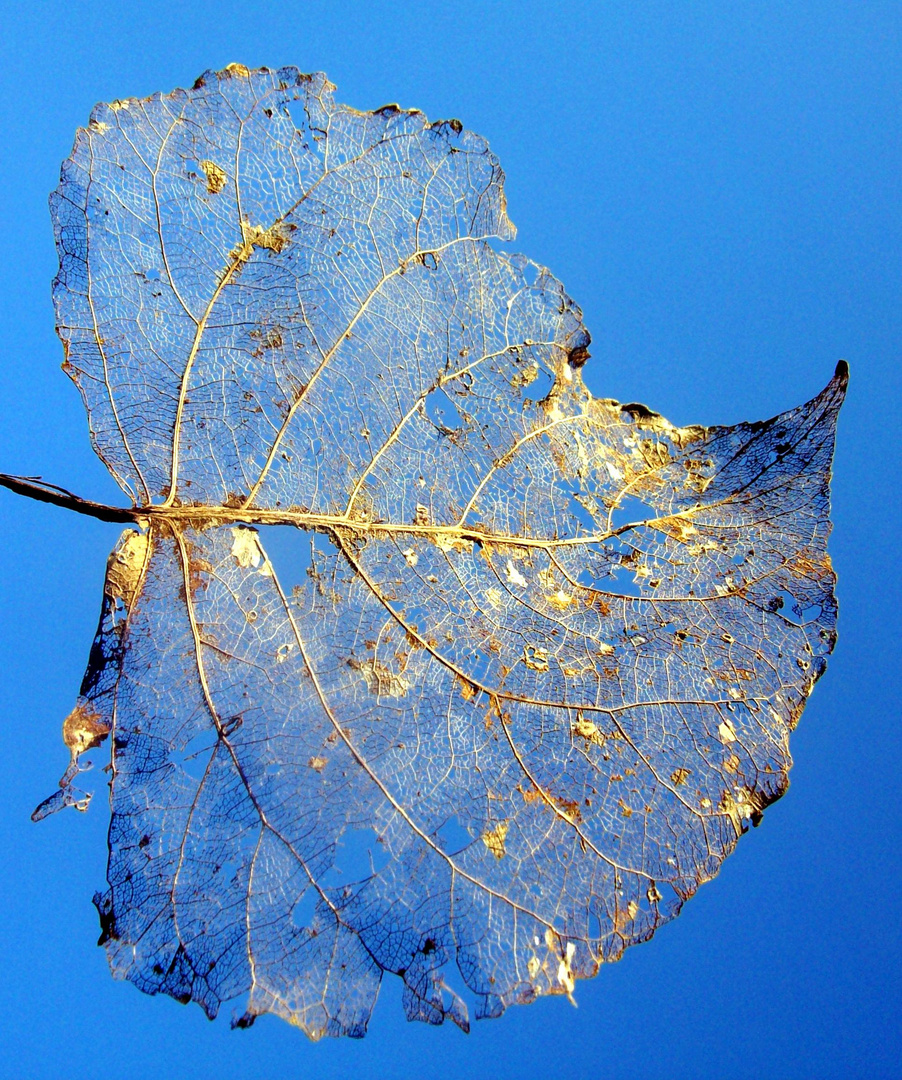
(533, 667)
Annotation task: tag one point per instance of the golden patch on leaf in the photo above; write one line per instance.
(525, 375)
(810, 564)
(126, 566)
(494, 712)
(83, 729)
(740, 805)
(446, 543)
(585, 729)
(514, 576)
(623, 916)
(275, 238)
(655, 453)
(680, 776)
(568, 807)
(381, 680)
(729, 674)
(467, 690)
(676, 528)
(214, 175)
(596, 601)
(547, 578)
(560, 600)
(494, 839)
(565, 971)
(535, 657)
(272, 239)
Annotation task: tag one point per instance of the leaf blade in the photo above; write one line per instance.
(548, 655)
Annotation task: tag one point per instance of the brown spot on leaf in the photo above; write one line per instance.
(467, 690)
(381, 680)
(568, 807)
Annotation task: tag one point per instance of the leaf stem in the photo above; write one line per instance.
(33, 487)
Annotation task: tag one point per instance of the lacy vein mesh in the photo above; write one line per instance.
(541, 671)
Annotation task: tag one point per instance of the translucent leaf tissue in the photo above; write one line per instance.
(535, 665)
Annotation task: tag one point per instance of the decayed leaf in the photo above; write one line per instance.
(541, 670)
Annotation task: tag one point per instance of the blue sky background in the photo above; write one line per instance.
(718, 186)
